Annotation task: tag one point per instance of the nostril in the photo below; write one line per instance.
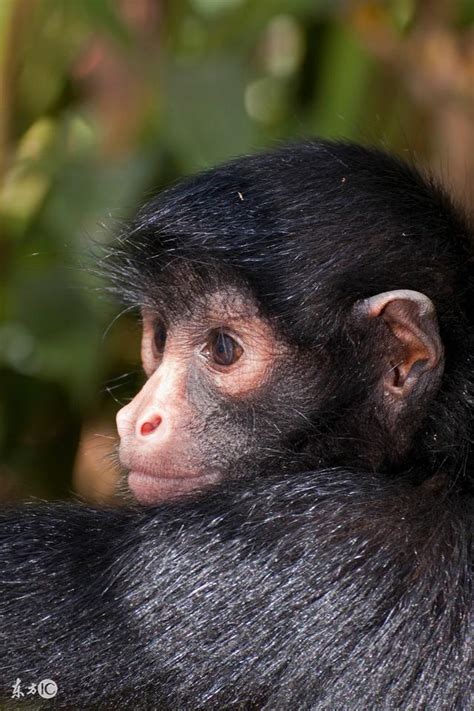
(150, 425)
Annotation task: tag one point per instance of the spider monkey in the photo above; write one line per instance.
(301, 453)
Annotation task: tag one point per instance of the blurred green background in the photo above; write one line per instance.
(105, 101)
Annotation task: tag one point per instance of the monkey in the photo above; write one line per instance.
(300, 454)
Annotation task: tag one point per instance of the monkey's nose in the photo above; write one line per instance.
(150, 425)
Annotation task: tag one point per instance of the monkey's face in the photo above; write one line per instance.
(230, 394)
(215, 401)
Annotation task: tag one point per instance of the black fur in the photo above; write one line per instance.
(339, 588)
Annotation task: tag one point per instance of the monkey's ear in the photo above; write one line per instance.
(415, 355)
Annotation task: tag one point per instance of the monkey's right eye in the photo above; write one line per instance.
(159, 338)
(222, 349)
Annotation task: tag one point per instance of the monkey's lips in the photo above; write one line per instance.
(151, 488)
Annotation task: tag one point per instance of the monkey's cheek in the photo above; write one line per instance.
(151, 489)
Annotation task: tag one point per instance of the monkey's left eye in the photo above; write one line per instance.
(159, 338)
(223, 349)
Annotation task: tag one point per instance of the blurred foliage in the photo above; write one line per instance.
(105, 101)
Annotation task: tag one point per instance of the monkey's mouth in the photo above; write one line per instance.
(153, 488)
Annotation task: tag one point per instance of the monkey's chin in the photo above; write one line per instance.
(153, 489)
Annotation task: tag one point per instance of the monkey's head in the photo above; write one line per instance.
(312, 306)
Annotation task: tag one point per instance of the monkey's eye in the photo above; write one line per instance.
(159, 338)
(223, 349)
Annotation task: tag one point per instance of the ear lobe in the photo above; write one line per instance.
(411, 318)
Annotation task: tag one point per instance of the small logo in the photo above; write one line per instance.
(47, 688)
